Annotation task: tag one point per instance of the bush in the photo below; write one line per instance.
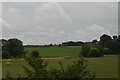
(85, 50)
(94, 52)
(78, 70)
(5, 55)
(101, 49)
(107, 51)
(38, 66)
(35, 54)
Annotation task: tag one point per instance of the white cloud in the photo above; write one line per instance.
(40, 23)
(52, 14)
(97, 30)
(89, 33)
(5, 23)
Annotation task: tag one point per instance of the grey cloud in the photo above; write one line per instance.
(42, 23)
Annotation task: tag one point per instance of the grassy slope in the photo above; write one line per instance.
(106, 66)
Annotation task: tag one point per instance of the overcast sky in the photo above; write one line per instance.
(45, 23)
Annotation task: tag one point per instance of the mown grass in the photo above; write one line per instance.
(55, 51)
(104, 67)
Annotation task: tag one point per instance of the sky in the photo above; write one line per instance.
(56, 22)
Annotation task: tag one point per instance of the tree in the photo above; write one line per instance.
(107, 51)
(114, 46)
(94, 52)
(5, 55)
(118, 38)
(104, 38)
(85, 50)
(94, 41)
(3, 44)
(114, 37)
(14, 47)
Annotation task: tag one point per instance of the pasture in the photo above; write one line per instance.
(104, 67)
(55, 51)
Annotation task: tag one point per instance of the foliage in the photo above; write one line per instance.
(114, 46)
(14, 47)
(104, 38)
(5, 54)
(114, 37)
(77, 70)
(85, 50)
(94, 41)
(38, 66)
(35, 54)
(94, 52)
(107, 51)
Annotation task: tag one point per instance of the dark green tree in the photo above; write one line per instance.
(4, 44)
(94, 41)
(118, 38)
(114, 46)
(14, 47)
(107, 51)
(104, 38)
(5, 55)
(114, 37)
(85, 50)
(95, 52)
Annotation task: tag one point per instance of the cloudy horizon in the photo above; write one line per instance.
(45, 23)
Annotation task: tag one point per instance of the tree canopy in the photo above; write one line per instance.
(13, 46)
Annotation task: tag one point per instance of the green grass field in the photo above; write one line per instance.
(104, 67)
(55, 51)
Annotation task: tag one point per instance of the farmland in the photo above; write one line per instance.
(104, 67)
(55, 51)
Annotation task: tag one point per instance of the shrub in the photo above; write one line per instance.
(95, 52)
(78, 71)
(5, 54)
(107, 51)
(101, 49)
(92, 51)
(85, 50)
(35, 54)
(38, 66)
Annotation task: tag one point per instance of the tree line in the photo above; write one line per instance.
(107, 45)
